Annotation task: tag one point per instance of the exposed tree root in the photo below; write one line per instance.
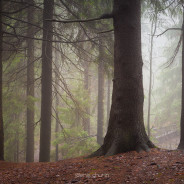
(97, 153)
(114, 149)
(180, 147)
(150, 144)
(142, 147)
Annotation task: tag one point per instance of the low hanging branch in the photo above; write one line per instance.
(107, 31)
(179, 29)
(170, 62)
(104, 16)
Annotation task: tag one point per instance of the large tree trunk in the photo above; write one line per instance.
(30, 87)
(181, 143)
(1, 89)
(100, 116)
(46, 99)
(126, 129)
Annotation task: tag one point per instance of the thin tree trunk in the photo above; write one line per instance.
(57, 103)
(15, 150)
(46, 92)
(1, 88)
(108, 97)
(181, 143)
(100, 116)
(30, 87)
(17, 146)
(86, 120)
(56, 130)
(153, 31)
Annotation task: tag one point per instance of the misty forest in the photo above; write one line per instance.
(91, 91)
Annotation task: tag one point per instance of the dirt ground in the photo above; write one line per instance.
(157, 166)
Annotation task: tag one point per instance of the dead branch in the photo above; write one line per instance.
(179, 29)
(104, 16)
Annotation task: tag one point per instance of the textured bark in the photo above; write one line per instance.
(181, 143)
(57, 102)
(100, 116)
(108, 97)
(1, 75)
(46, 91)
(16, 140)
(30, 87)
(17, 146)
(86, 120)
(57, 129)
(126, 129)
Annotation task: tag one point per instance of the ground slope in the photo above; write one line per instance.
(157, 166)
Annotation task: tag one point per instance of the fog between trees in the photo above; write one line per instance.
(77, 59)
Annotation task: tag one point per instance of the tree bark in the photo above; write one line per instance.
(57, 129)
(17, 146)
(100, 116)
(46, 92)
(1, 88)
(126, 131)
(108, 96)
(30, 87)
(57, 102)
(181, 143)
(86, 120)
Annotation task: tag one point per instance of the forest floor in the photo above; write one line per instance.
(157, 166)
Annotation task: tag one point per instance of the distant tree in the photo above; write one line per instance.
(56, 101)
(153, 31)
(181, 143)
(108, 96)
(46, 78)
(86, 119)
(1, 89)
(30, 85)
(100, 116)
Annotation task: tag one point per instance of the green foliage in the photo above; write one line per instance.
(13, 113)
(30, 102)
(14, 110)
(75, 142)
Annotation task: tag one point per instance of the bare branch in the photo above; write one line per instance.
(77, 17)
(56, 41)
(102, 32)
(24, 3)
(179, 29)
(104, 16)
(20, 20)
(17, 11)
(171, 60)
(166, 6)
